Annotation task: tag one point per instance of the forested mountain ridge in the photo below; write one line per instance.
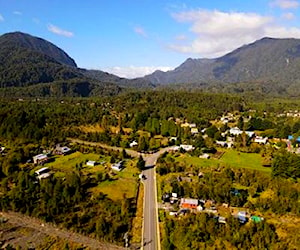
(36, 67)
(26, 41)
(264, 61)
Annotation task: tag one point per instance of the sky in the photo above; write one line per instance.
(132, 38)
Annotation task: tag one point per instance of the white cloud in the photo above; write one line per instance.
(285, 4)
(18, 13)
(56, 30)
(217, 33)
(134, 71)
(288, 16)
(140, 31)
(1, 18)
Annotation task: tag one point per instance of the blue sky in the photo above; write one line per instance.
(134, 37)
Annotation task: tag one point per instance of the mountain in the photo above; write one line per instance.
(270, 61)
(123, 82)
(26, 41)
(46, 70)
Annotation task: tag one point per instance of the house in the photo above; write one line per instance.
(236, 131)
(222, 143)
(204, 156)
(260, 140)
(40, 159)
(256, 219)
(189, 203)
(91, 163)
(61, 150)
(43, 173)
(192, 125)
(187, 147)
(133, 144)
(242, 216)
(117, 166)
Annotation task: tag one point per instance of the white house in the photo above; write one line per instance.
(260, 140)
(237, 131)
(43, 173)
(117, 166)
(40, 159)
(133, 144)
(91, 163)
(187, 147)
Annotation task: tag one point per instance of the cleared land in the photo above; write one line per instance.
(230, 158)
(30, 233)
(119, 185)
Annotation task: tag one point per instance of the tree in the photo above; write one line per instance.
(142, 144)
(141, 163)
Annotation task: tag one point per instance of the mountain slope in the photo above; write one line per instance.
(31, 66)
(26, 41)
(26, 61)
(268, 59)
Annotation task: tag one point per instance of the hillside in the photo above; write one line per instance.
(32, 66)
(271, 62)
(26, 41)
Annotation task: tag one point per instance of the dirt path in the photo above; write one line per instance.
(102, 145)
(20, 220)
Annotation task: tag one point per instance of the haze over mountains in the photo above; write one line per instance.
(31, 66)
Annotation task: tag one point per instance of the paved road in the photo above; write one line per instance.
(151, 239)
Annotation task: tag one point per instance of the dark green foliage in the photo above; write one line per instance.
(286, 165)
(140, 164)
(67, 202)
(202, 231)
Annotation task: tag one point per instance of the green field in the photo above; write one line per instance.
(120, 183)
(231, 158)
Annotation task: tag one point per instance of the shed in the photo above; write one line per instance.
(40, 159)
(189, 203)
(91, 163)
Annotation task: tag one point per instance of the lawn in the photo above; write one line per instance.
(231, 158)
(122, 183)
(68, 162)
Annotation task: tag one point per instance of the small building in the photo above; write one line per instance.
(222, 143)
(242, 217)
(256, 219)
(261, 140)
(117, 166)
(133, 144)
(187, 147)
(62, 150)
(43, 173)
(40, 159)
(91, 163)
(204, 156)
(189, 203)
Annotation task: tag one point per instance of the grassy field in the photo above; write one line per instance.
(123, 183)
(231, 158)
